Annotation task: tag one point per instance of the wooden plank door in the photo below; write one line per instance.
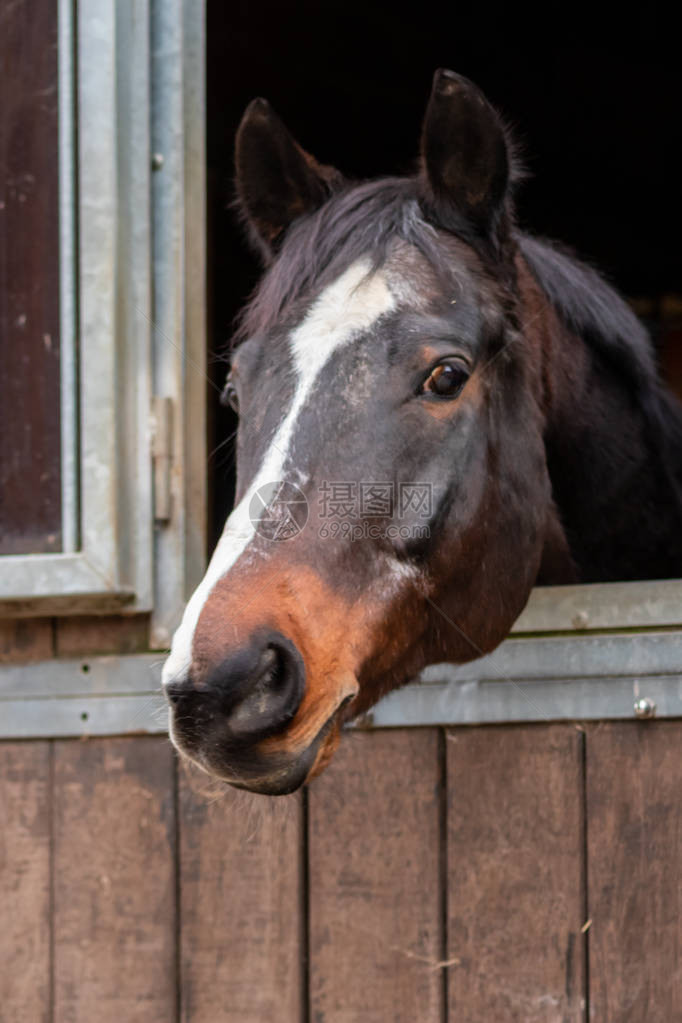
(432, 876)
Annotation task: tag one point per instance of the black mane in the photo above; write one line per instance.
(640, 472)
(592, 309)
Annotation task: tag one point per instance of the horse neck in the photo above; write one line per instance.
(614, 456)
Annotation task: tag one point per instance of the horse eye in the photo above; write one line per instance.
(229, 397)
(446, 380)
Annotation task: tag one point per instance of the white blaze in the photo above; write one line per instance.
(350, 304)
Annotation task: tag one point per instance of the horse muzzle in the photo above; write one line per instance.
(243, 719)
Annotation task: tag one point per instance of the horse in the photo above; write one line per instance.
(437, 412)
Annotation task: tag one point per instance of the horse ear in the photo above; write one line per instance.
(276, 180)
(465, 158)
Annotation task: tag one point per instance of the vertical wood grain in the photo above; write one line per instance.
(241, 909)
(102, 634)
(515, 875)
(634, 828)
(375, 885)
(24, 882)
(26, 639)
(114, 871)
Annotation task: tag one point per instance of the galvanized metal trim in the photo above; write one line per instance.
(546, 679)
(636, 605)
(504, 702)
(566, 657)
(82, 676)
(551, 679)
(98, 238)
(68, 323)
(82, 716)
(90, 696)
(36, 576)
(179, 337)
(133, 394)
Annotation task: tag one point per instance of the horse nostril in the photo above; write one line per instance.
(250, 695)
(272, 692)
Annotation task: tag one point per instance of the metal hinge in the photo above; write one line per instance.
(162, 456)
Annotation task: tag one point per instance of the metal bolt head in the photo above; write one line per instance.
(157, 161)
(580, 620)
(645, 708)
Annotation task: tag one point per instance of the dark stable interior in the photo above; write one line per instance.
(595, 108)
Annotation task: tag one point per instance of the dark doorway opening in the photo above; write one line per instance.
(595, 107)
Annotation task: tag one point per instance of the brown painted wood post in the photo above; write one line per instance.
(25, 882)
(515, 874)
(376, 938)
(114, 881)
(634, 832)
(241, 883)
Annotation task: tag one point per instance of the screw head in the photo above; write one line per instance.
(645, 708)
(157, 161)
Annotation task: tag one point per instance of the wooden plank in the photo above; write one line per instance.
(25, 639)
(634, 829)
(241, 905)
(24, 882)
(102, 634)
(375, 885)
(515, 874)
(114, 920)
(30, 479)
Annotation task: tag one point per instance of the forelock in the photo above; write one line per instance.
(362, 222)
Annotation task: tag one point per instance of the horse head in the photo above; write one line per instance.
(393, 499)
